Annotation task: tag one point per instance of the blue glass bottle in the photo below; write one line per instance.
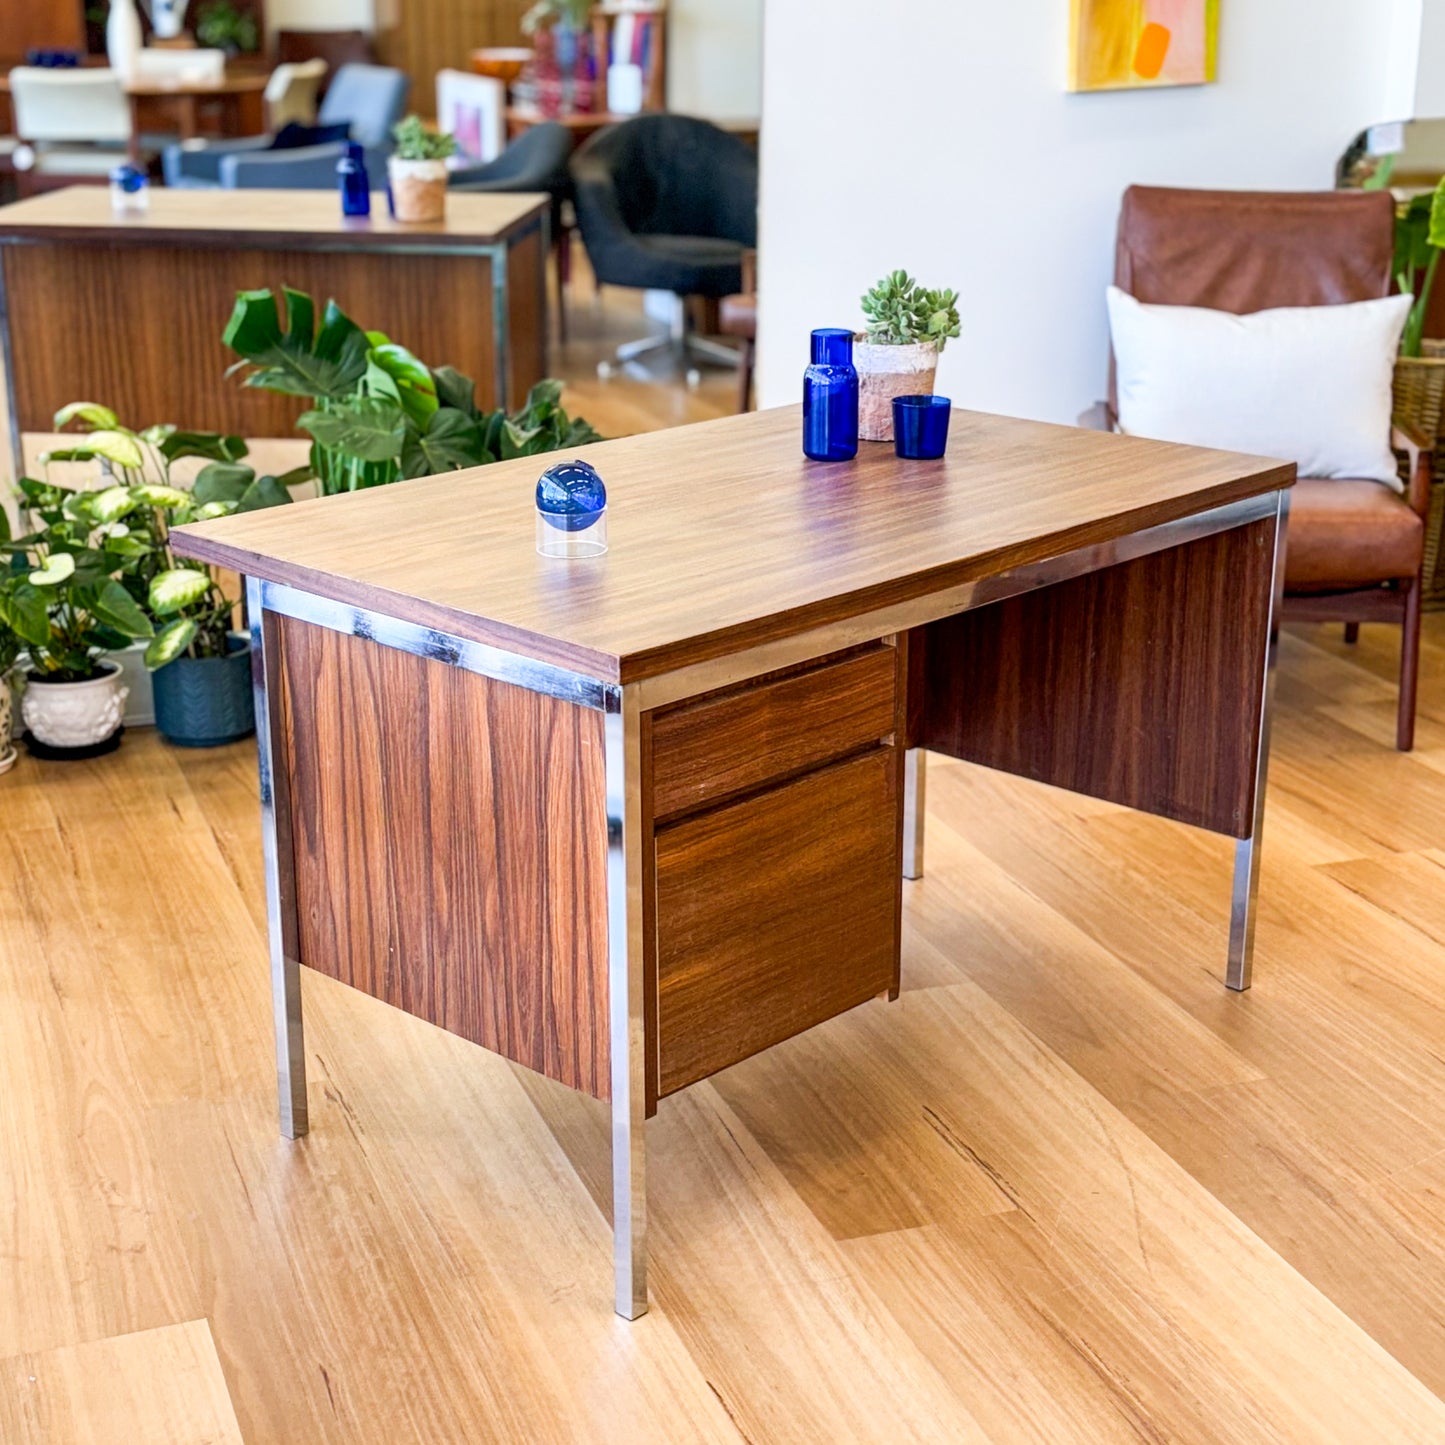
(830, 398)
(354, 182)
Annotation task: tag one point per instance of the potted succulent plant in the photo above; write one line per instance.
(418, 171)
(200, 665)
(906, 328)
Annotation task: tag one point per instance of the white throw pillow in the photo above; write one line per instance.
(1306, 384)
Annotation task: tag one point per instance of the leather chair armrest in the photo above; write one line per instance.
(1099, 417)
(1420, 451)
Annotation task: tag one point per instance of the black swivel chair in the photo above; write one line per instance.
(668, 203)
(535, 161)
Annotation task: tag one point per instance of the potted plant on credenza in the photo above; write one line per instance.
(417, 170)
(906, 327)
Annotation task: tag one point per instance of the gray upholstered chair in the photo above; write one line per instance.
(367, 99)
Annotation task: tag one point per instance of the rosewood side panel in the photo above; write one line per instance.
(449, 835)
(1139, 684)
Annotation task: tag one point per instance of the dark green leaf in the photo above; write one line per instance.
(452, 440)
(207, 444)
(265, 492)
(115, 606)
(222, 482)
(370, 428)
(455, 390)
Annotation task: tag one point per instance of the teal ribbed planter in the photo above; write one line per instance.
(204, 702)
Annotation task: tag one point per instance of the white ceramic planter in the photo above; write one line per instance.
(7, 727)
(418, 189)
(75, 714)
(885, 372)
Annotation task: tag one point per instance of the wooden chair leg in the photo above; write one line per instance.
(1352, 633)
(1409, 668)
(745, 375)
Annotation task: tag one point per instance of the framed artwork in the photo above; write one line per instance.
(1138, 44)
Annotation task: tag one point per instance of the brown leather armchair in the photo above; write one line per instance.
(1355, 548)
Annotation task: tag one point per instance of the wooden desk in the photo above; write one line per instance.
(164, 103)
(627, 821)
(239, 94)
(130, 311)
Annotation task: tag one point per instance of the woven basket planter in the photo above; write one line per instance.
(1419, 400)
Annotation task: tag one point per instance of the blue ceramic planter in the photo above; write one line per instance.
(203, 702)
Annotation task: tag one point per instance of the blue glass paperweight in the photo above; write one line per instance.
(830, 398)
(129, 191)
(571, 511)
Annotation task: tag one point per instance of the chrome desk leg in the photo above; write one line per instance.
(915, 796)
(1246, 850)
(624, 982)
(280, 869)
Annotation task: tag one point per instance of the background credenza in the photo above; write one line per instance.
(129, 312)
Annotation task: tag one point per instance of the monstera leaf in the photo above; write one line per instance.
(393, 372)
(302, 360)
(371, 428)
(452, 440)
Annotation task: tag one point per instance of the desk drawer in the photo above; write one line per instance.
(739, 740)
(775, 913)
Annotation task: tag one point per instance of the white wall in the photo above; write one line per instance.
(937, 135)
(322, 14)
(715, 58)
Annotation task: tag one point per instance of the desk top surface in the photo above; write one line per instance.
(723, 535)
(233, 82)
(246, 218)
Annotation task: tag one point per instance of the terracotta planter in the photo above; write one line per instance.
(885, 372)
(74, 719)
(418, 189)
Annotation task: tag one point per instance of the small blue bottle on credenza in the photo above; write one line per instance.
(830, 398)
(355, 184)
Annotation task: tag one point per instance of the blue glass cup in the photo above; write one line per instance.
(920, 426)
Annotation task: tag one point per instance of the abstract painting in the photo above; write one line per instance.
(1128, 44)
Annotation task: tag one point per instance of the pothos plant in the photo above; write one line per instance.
(899, 312)
(102, 567)
(378, 414)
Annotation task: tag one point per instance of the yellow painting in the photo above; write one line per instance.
(1128, 44)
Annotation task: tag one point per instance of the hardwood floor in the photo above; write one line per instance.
(1066, 1189)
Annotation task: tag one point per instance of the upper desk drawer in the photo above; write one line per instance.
(771, 728)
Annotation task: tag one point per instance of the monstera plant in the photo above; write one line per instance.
(377, 413)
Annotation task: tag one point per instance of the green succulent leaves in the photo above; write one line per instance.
(898, 312)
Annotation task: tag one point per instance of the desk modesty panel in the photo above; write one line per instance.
(129, 311)
(630, 819)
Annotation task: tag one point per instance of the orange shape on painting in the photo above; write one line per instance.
(1152, 48)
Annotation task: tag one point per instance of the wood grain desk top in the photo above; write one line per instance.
(261, 219)
(241, 82)
(723, 535)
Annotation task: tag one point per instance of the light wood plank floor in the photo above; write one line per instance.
(1066, 1189)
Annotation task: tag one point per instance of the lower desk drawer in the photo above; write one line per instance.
(774, 914)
